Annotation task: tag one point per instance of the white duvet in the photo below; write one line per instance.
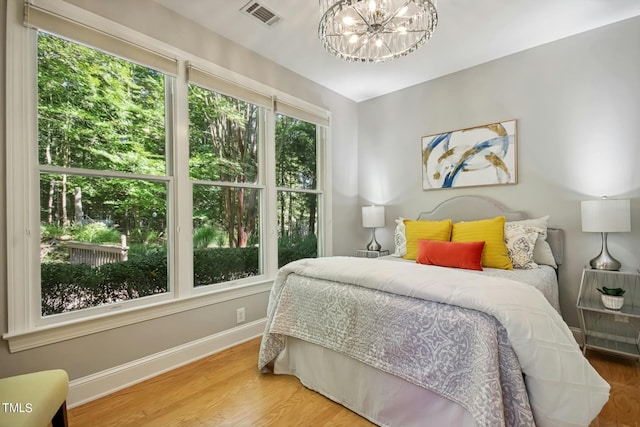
(564, 389)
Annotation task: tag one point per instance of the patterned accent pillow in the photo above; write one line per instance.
(542, 252)
(521, 241)
(400, 238)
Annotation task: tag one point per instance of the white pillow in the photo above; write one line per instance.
(400, 239)
(520, 241)
(542, 251)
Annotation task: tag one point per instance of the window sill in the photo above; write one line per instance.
(37, 337)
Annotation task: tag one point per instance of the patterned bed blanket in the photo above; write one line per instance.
(463, 355)
(464, 336)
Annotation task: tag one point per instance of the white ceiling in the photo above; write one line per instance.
(469, 32)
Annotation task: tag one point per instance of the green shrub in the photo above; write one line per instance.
(205, 235)
(291, 248)
(67, 287)
(137, 250)
(48, 231)
(97, 232)
(147, 237)
(215, 265)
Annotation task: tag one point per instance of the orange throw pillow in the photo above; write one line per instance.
(467, 255)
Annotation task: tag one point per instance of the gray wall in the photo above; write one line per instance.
(100, 351)
(577, 102)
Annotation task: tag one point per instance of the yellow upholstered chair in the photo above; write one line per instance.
(34, 400)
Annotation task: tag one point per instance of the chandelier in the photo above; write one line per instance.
(375, 30)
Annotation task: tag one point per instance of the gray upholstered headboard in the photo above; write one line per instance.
(471, 208)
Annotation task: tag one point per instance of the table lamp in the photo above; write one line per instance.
(606, 216)
(372, 217)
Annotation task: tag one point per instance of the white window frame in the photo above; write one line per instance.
(321, 149)
(25, 326)
(208, 81)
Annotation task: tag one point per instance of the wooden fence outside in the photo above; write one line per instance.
(96, 254)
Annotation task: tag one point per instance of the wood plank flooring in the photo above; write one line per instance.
(623, 407)
(226, 389)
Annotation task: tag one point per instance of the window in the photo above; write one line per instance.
(115, 158)
(224, 150)
(297, 182)
(224, 140)
(103, 178)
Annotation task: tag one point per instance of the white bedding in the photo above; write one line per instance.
(382, 398)
(564, 390)
(544, 278)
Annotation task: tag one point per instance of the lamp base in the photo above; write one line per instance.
(604, 261)
(373, 243)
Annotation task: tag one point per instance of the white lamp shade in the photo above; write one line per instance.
(606, 216)
(372, 216)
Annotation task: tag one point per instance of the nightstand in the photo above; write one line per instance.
(363, 253)
(613, 331)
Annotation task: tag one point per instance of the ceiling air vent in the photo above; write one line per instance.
(261, 13)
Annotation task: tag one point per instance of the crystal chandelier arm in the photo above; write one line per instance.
(364, 19)
(385, 44)
(359, 48)
(395, 14)
(406, 31)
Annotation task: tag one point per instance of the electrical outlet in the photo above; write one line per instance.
(240, 315)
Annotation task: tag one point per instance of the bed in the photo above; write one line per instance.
(406, 344)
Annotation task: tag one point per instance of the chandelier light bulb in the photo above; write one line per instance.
(395, 27)
(347, 20)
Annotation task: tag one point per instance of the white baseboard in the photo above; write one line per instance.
(94, 386)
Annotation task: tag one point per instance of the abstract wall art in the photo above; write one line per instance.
(481, 155)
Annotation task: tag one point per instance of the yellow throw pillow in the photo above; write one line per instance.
(490, 231)
(425, 230)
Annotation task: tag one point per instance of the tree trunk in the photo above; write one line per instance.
(66, 162)
(312, 214)
(290, 211)
(229, 217)
(283, 229)
(52, 191)
(52, 186)
(252, 212)
(78, 206)
(242, 234)
(63, 201)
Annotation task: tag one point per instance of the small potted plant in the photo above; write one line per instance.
(612, 298)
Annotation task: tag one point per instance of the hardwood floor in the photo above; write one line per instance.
(623, 407)
(226, 389)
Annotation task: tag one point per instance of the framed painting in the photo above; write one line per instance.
(481, 155)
